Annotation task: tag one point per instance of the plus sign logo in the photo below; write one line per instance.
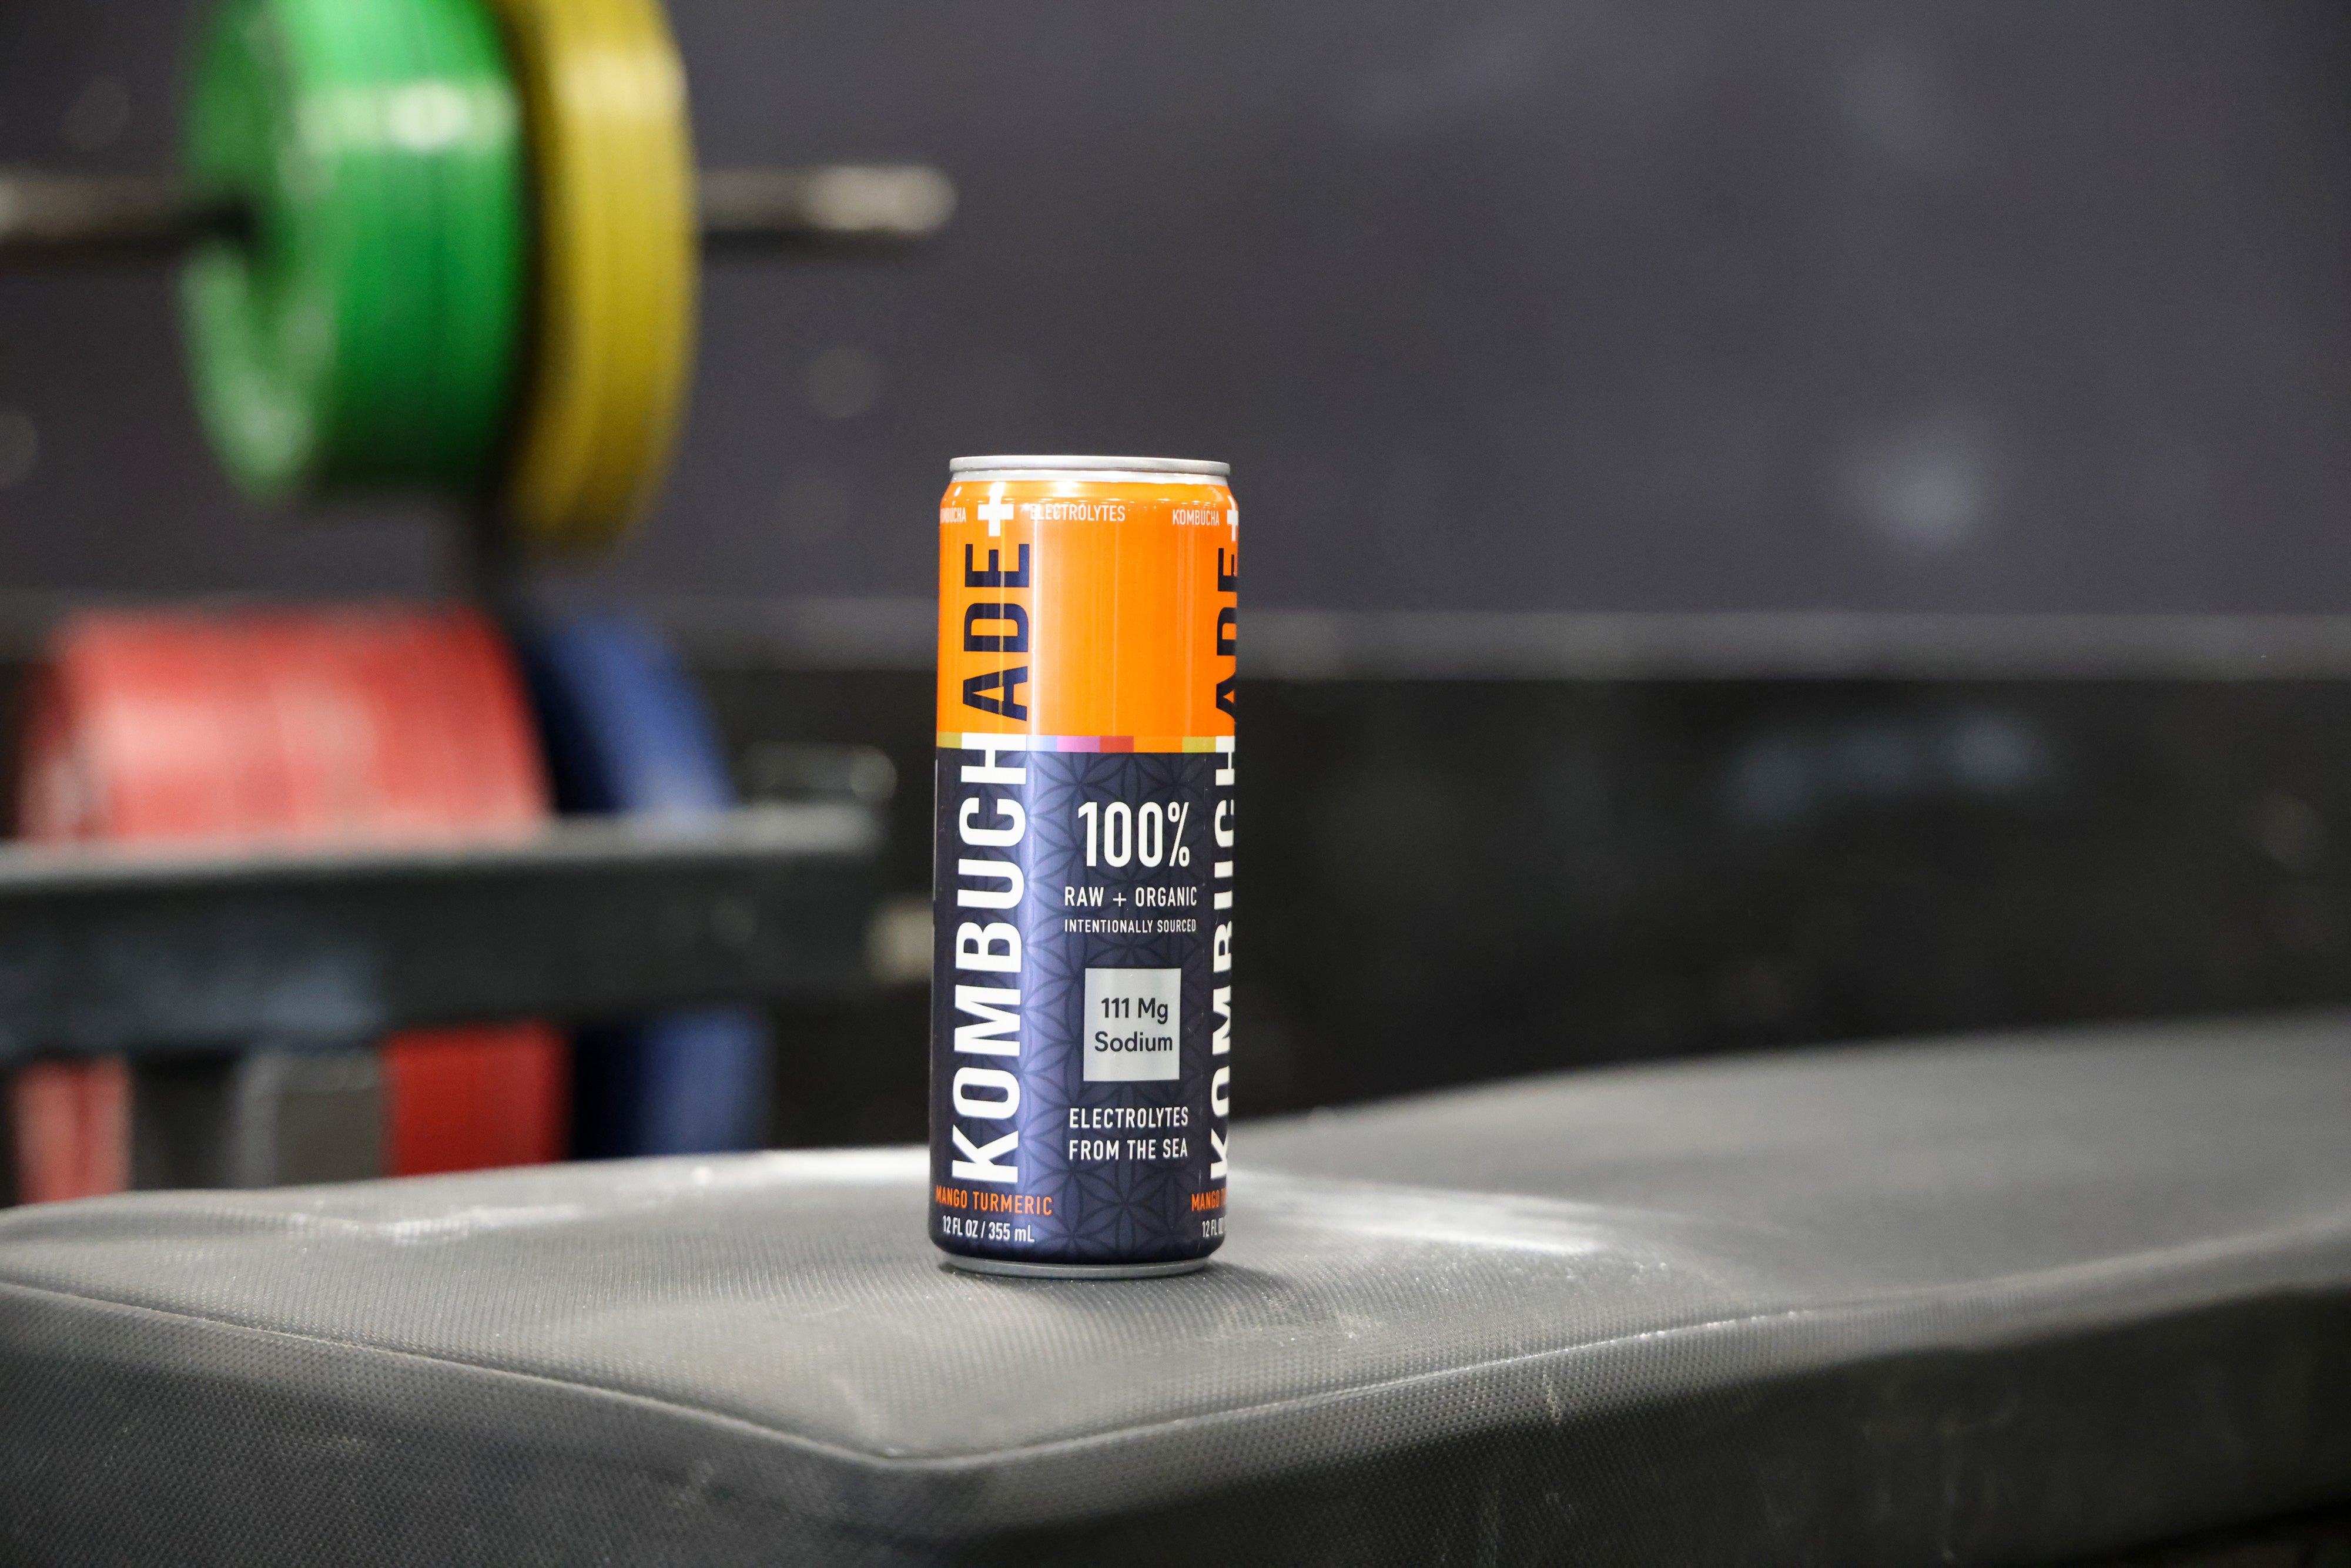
(995, 511)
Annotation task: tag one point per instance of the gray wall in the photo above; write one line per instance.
(1513, 304)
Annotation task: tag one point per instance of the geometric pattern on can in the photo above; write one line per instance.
(1081, 1008)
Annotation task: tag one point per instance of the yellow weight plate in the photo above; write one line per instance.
(658, 265)
(604, 98)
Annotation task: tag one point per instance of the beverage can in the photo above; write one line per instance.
(1083, 891)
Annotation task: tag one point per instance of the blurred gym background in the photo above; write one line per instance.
(1768, 526)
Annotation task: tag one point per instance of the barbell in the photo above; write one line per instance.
(449, 243)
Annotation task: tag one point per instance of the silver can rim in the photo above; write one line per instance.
(1019, 1271)
(1084, 465)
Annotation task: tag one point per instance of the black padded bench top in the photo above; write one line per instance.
(2008, 1301)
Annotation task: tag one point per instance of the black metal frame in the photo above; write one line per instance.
(104, 950)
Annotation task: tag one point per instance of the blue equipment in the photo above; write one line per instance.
(627, 734)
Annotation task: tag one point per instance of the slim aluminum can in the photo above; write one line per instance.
(1081, 988)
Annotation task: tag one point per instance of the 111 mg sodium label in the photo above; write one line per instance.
(1134, 1020)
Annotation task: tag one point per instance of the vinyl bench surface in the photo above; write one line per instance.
(2015, 1299)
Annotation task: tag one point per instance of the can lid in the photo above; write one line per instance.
(1092, 465)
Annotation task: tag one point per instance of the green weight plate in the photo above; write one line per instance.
(371, 68)
(294, 340)
(481, 255)
(259, 319)
(375, 140)
(285, 336)
(470, 268)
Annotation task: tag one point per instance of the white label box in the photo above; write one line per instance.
(1134, 1025)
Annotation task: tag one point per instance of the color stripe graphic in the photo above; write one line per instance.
(953, 741)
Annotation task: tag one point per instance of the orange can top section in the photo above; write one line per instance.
(1084, 607)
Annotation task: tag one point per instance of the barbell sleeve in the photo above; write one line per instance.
(833, 204)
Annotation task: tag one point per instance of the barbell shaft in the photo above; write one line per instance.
(129, 216)
(79, 217)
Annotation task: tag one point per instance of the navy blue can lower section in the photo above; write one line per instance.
(1081, 1005)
